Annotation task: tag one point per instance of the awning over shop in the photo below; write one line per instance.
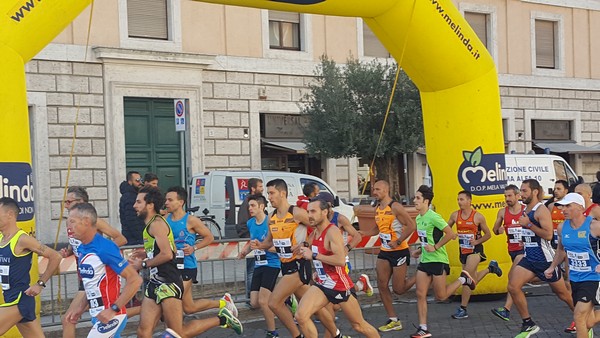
(297, 147)
(567, 147)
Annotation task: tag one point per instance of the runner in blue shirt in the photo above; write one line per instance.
(100, 265)
(578, 240)
(267, 264)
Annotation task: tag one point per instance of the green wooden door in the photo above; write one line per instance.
(151, 142)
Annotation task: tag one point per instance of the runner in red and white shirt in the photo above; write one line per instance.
(100, 265)
(591, 208)
(507, 222)
(333, 285)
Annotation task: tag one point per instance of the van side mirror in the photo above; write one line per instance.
(336, 202)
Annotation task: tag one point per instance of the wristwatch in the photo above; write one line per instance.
(314, 255)
(41, 283)
(144, 264)
(115, 308)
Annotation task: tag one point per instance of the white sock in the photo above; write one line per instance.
(359, 285)
(423, 327)
(462, 280)
(394, 319)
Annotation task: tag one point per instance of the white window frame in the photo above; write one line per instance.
(361, 44)
(559, 47)
(173, 44)
(306, 45)
(492, 27)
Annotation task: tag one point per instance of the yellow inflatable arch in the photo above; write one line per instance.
(441, 53)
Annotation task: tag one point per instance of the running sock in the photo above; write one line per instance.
(463, 307)
(462, 280)
(222, 303)
(300, 336)
(338, 334)
(222, 320)
(528, 321)
(423, 327)
(359, 285)
(394, 319)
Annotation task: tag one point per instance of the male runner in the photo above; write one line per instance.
(333, 285)
(16, 248)
(347, 231)
(100, 265)
(470, 225)
(287, 232)
(578, 239)
(394, 226)
(433, 233)
(266, 265)
(507, 222)
(536, 235)
(164, 290)
(75, 196)
(591, 208)
(185, 229)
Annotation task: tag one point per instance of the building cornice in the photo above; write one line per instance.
(121, 55)
(582, 4)
(532, 81)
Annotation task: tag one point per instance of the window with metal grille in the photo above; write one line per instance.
(284, 30)
(545, 44)
(480, 23)
(551, 130)
(148, 19)
(371, 44)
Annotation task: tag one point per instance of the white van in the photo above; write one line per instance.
(547, 169)
(219, 194)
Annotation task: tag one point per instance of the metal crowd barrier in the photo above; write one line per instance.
(215, 277)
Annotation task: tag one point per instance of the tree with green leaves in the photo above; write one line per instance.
(346, 108)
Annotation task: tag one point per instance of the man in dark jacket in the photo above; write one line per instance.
(596, 191)
(131, 226)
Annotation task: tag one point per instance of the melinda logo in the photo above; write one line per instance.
(16, 183)
(482, 174)
(86, 271)
(111, 325)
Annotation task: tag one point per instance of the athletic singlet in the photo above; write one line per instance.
(390, 228)
(537, 249)
(182, 236)
(329, 276)
(467, 230)
(286, 233)
(14, 270)
(100, 263)
(513, 229)
(557, 218)
(581, 248)
(167, 271)
(589, 210)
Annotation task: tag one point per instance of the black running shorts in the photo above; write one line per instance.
(434, 268)
(586, 292)
(264, 277)
(477, 251)
(395, 258)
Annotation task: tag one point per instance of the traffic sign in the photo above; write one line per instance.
(180, 112)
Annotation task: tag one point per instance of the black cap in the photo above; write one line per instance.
(325, 196)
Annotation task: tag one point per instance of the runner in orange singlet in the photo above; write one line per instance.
(470, 225)
(394, 226)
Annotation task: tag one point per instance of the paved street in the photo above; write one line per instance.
(551, 315)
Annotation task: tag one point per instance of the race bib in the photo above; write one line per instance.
(385, 240)
(527, 237)
(465, 245)
(283, 247)
(4, 272)
(95, 301)
(514, 234)
(319, 269)
(153, 270)
(261, 257)
(579, 261)
(422, 237)
(179, 256)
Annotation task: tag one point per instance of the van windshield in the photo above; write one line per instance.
(322, 187)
